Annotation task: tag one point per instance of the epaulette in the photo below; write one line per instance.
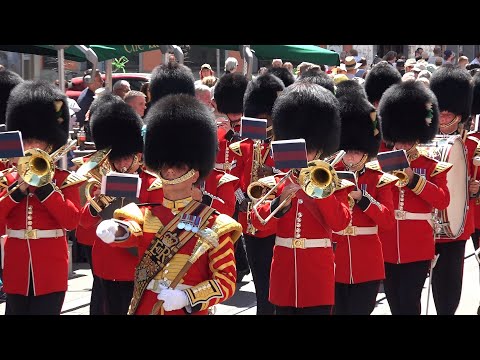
(342, 184)
(157, 184)
(373, 165)
(131, 212)
(224, 224)
(235, 147)
(386, 179)
(441, 167)
(72, 179)
(227, 178)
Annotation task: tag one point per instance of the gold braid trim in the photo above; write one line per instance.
(130, 212)
(224, 224)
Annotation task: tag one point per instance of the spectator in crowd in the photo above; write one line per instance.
(277, 63)
(121, 87)
(203, 93)
(288, 66)
(390, 57)
(401, 66)
(351, 66)
(410, 64)
(418, 53)
(462, 62)
(476, 60)
(284, 75)
(262, 70)
(231, 65)
(354, 53)
(137, 100)
(146, 90)
(437, 52)
(86, 98)
(424, 81)
(205, 71)
(449, 56)
(362, 67)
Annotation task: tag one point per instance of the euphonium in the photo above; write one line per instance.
(319, 180)
(95, 168)
(37, 167)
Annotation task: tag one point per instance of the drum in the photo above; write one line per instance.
(451, 149)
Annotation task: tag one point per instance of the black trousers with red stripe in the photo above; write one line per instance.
(356, 299)
(403, 286)
(447, 276)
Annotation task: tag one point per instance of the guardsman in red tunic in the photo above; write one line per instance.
(358, 254)
(409, 115)
(453, 89)
(302, 278)
(218, 191)
(114, 268)
(168, 274)
(379, 79)
(254, 161)
(476, 134)
(228, 101)
(38, 218)
(8, 80)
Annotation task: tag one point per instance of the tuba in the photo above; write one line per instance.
(95, 168)
(37, 167)
(318, 180)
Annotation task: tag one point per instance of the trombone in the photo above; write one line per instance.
(37, 167)
(318, 180)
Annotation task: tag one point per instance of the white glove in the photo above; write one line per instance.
(173, 299)
(106, 231)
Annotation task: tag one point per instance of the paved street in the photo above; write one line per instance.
(77, 299)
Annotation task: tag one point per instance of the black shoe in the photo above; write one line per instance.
(241, 274)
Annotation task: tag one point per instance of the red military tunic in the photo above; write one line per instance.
(52, 207)
(113, 263)
(476, 202)
(471, 145)
(412, 240)
(4, 182)
(209, 281)
(219, 191)
(360, 258)
(305, 277)
(224, 157)
(243, 154)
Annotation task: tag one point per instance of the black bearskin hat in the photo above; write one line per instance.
(358, 118)
(380, 78)
(476, 94)
(40, 111)
(229, 92)
(171, 78)
(261, 94)
(317, 76)
(408, 113)
(308, 111)
(453, 88)
(115, 124)
(180, 131)
(8, 80)
(283, 74)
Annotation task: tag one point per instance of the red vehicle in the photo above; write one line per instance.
(136, 81)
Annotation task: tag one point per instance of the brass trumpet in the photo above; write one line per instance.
(37, 167)
(96, 167)
(319, 180)
(403, 178)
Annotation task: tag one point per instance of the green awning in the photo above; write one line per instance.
(310, 53)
